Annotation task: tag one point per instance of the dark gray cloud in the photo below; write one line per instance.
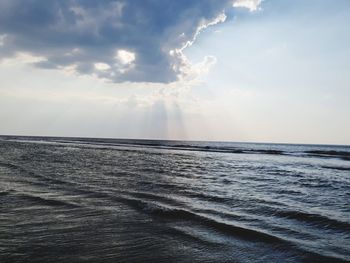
(119, 40)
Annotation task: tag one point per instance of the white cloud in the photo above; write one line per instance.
(102, 66)
(187, 70)
(205, 23)
(22, 58)
(252, 5)
(190, 72)
(125, 57)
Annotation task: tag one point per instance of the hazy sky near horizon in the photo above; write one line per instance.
(244, 70)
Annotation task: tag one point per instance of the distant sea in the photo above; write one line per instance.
(108, 200)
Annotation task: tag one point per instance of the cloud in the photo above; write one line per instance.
(102, 66)
(252, 5)
(117, 40)
(125, 57)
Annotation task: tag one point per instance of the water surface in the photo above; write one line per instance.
(106, 200)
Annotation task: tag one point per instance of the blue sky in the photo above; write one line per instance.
(275, 71)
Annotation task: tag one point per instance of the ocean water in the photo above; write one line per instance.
(106, 200)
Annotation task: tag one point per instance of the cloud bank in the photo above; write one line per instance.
(116, 40)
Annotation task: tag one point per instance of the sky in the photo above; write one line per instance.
(225, 70)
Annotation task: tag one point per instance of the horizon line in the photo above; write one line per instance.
(178, 140)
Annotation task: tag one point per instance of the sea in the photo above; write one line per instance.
(118, 200)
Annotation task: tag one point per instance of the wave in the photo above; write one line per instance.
(206, 196)
(6, 192)
(178, 214)
(189, 235)
(331, 153)
(45, 201)
(167, 212)
(11, 166)
(337, 168)
(43, 179)
(315, 219)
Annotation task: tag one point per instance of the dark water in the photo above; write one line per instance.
(94, 200)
